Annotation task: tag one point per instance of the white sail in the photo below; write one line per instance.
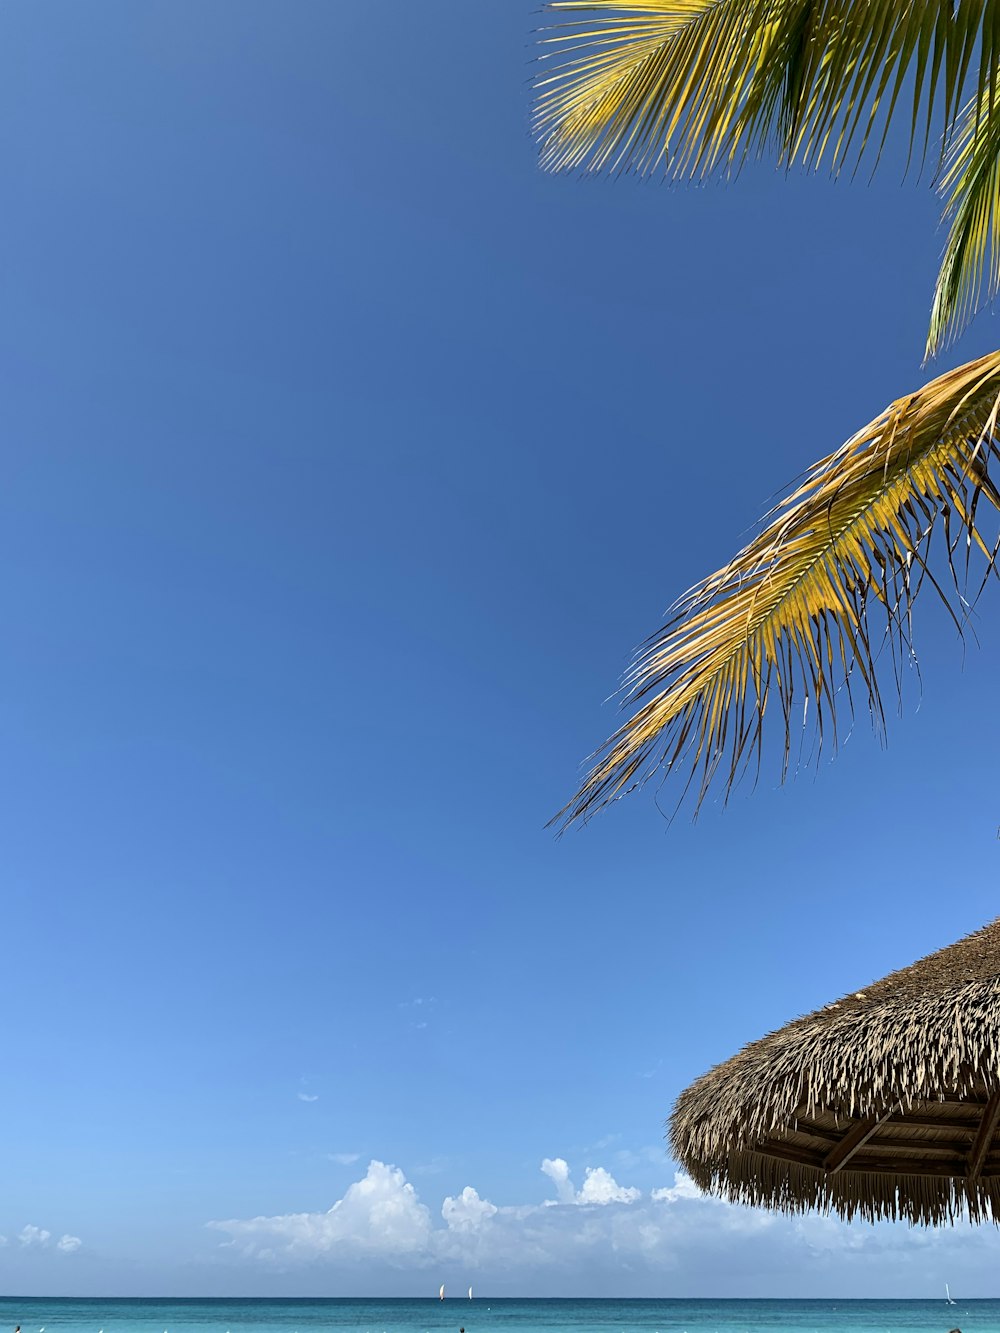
(947, 1295)
(470, 1293)
(441, 1293)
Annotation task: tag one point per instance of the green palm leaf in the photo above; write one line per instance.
(688, 87)
(693, 84)
(970, 270)
(795, 618)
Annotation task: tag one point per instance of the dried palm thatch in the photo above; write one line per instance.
(885, 1104)
(789, 621)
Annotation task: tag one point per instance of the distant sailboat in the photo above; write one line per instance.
(441, 1293)
(947, 1295)
(470, 1293)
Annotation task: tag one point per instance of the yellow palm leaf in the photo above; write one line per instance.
(790, 621)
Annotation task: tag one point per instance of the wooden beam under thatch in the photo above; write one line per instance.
(987, 1129)
(885, 1104)
(839, 1155)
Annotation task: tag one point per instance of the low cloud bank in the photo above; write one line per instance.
(603, 1237)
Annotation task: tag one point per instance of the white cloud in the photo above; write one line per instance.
(682, 1188)
(37, 1236)
(467, 1211)
(344, 1158)
(599, 1186)
(605, 1238)
(378, 1215)
(381, 1218)
(308, 1096)
(557, 1170)
(3, 1241)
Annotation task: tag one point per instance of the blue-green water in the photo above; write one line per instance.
(483, 1315)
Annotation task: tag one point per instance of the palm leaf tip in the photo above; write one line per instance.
(806, 614)
(970, 182)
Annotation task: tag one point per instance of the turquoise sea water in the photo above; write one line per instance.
(484, 1315)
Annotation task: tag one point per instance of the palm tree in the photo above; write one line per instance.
(693, 87)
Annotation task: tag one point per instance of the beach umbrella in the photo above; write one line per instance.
(884, 1104)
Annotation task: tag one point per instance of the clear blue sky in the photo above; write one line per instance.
(344, 458)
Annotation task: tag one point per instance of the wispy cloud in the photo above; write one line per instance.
(308, 1096)
(631, 1159)
(68, 1244)
(605, 1141)
(418, 1011)
(433, 1166)
(344, 1158)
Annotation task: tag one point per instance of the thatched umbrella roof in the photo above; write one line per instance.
(885, 1104)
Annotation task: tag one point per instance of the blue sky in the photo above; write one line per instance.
(345, 457)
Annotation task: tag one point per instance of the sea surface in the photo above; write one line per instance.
(497, 1315)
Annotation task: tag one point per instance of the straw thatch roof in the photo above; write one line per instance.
(885, 1104)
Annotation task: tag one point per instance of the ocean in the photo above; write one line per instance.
(500, 1315)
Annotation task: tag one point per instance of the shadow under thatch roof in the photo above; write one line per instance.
(885, 1104)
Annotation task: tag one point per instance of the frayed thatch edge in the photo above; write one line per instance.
(758, 1181)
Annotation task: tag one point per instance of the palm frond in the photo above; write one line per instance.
(639, 75)
(687, 86)
(800, 617)
(970, 269)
